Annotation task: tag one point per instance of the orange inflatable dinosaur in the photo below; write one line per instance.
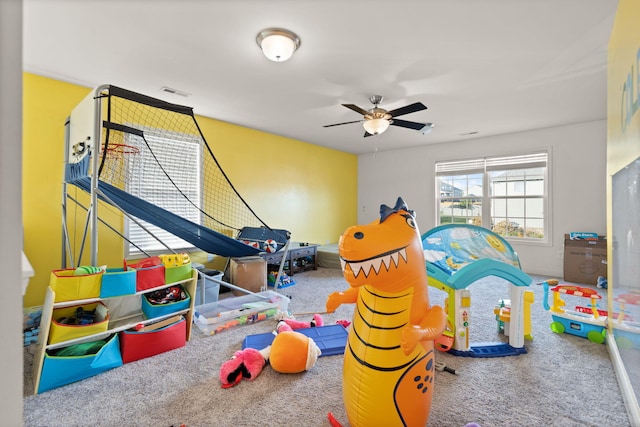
(389, 359)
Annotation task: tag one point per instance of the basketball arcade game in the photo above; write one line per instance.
(113, 137)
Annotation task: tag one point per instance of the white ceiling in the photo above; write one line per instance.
(485, 66)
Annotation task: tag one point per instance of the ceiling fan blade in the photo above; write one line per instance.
(356, 109)
(407, 124)
(344, 123)
(412, 108)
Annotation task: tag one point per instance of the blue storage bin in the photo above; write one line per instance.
(117, 282)
(152, 310)
(59, 370)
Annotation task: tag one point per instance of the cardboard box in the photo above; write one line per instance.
(248, 273)
(585, 260)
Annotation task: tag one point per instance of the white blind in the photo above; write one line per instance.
(180, 159)
(462, 167)
(526, 161)
(467, 167)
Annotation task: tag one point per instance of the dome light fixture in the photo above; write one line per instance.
(278, 44)
(376, 126)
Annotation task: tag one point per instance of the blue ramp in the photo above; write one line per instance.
(201, 237)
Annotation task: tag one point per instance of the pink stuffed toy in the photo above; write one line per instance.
(247, 363)
(290, 352)
(292, 324)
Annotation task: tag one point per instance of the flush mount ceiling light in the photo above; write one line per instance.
(278, 44)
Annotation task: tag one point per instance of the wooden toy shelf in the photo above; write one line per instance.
(116, 324)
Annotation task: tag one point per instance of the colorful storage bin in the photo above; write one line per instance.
(69, 287)
(138, 345)
(177, 274)
(117, 282)
(61, 331)
(149, 273)
(177, 267)
(152, 310)
(61, 367)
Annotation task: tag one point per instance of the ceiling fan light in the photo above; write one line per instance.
(278, 44)
(428, 127)
(375, 126)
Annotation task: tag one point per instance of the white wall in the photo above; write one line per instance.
(577, 174)
(11, 217)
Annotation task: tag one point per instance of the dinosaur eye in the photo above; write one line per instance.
(358, 235)
(410, 221)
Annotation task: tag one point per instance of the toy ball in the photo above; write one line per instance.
(270, 245)
(86, 269)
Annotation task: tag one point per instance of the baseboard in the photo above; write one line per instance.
(629, 396)
(547, 273)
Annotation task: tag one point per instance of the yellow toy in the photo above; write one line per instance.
(389, 359)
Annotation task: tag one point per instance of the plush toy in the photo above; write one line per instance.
(247, 363)
(292, 324)
(290, 353)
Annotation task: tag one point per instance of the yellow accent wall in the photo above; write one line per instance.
(623, 147)
(304, 188)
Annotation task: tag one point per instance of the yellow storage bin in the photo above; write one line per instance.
(78, 321)
(69, 287)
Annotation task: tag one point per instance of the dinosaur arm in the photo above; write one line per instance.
(431, 327)
(336, 299)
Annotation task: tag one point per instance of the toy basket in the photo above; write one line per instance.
(62, 330)
(153, 309)
(70, 287)
(149, 273)
(117, 282)
(138, 345)
(79, 361)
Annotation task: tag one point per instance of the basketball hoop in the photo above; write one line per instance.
(118, 151)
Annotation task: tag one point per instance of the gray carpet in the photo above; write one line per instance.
(563, 380)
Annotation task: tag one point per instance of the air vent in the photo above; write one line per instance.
(174, 91)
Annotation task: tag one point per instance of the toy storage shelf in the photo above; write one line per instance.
(116, 325)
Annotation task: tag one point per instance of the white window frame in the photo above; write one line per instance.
(189, 147)
(484, 166)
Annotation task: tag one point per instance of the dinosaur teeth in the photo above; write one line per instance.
(375, 264)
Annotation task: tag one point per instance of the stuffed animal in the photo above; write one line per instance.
(292, 324)
(290, 353)
(247, 363)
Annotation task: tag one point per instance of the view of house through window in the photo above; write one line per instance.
(168, 186)
(507, 195)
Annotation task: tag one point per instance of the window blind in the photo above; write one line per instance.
(180, 160)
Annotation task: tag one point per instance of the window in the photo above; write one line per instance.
(507, 195)
(180, 157)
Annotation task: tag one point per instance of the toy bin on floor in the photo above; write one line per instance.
(71, 287)
(78, 321)
(149, 273)
(177, 298)
(144, 343)
(79, 361)
(228, 313)
(117, 282)
(208, 289)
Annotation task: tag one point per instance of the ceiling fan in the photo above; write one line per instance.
(377, 120)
